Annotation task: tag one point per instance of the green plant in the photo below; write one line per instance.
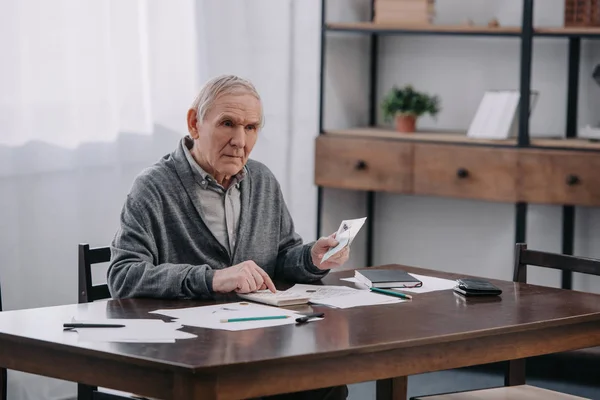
(407, 101)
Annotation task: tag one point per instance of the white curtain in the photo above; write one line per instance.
(93, 91)
(76, 72)
(73, 71)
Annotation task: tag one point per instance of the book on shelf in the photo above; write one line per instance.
(386, 278)
(277, 299)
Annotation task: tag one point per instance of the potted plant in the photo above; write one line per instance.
(405, 105)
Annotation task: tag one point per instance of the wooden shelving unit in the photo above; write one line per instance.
(519, 170)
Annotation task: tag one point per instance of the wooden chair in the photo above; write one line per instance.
(3, 375)
(514, 375)
(87, 294)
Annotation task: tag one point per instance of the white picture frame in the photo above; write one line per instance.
(497, 117)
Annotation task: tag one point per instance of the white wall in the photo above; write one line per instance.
(442, 233)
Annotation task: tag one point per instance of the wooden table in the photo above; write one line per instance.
(434, 331)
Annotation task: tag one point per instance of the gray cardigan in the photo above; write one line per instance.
(163, 248)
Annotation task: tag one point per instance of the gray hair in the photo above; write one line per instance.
(219, 86)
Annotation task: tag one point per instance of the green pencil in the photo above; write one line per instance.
(255, 318)
(392, 293)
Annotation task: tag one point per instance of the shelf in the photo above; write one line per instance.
(434, 137)
(568, 144)
(568, 32)
(392, 29)
(465, 30)
(461, 138)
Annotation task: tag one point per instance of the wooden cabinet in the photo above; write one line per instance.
(482, 172)
(465, 171)
(364, 164)
(559, 177)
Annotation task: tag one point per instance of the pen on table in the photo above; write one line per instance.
(392, 293)
(84, 325)
(255, 318)
(308, 317)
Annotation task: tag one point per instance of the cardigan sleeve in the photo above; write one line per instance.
(294, 262)
(133, 270)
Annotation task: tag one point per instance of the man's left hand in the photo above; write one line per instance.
(322, 246)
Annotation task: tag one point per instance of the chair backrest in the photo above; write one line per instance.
(87, 258)
(515, 369)
(525, 257)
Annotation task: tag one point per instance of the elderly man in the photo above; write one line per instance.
(205, 219)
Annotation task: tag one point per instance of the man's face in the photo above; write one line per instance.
(228, 133)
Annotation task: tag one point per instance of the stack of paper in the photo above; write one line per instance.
(212, 317)
(135, 331)
(342, 296)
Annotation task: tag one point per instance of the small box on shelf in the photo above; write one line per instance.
(406, 12)
(582, 13)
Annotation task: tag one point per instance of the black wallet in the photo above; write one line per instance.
(476, 287)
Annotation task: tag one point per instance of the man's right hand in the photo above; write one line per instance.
(245, 277)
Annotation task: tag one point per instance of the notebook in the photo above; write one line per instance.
(387, 278)
(278, 299)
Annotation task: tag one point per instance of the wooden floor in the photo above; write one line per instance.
(472, 379)
(523, 392)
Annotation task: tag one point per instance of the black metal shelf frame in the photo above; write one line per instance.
(526, 35)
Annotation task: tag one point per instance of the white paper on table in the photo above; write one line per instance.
(362, 298)
(430, 284)
(353, 280)
(345, 235)
(135, 331)
(210, 316)
(342, 296)
(132, 340)
(104, 335)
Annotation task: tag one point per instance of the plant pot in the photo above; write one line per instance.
(406, 123)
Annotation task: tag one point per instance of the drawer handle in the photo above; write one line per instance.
(462, 173)
(360, 165)
(573, 180)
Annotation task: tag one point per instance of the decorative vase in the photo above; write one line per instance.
(406, 123)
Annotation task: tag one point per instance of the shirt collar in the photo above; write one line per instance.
(204, 177)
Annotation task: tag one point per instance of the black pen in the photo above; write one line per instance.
(307, 317)
(84, 325)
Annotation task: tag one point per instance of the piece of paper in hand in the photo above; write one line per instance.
(345, 235)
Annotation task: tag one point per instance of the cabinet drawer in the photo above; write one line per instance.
(559, 177)
(363, 164)
(465, 172)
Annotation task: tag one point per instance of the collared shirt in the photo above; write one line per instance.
(220, 207)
